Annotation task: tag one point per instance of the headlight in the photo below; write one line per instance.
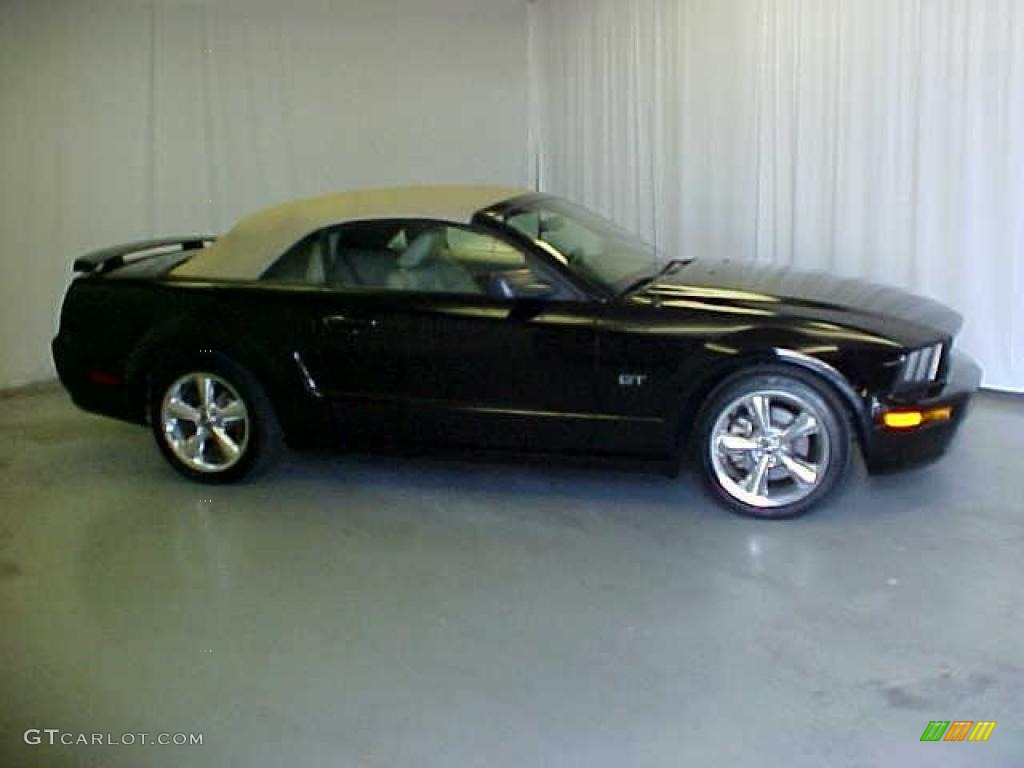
(921, 366)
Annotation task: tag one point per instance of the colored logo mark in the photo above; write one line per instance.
(958, 730)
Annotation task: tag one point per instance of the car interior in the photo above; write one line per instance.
(399, 256)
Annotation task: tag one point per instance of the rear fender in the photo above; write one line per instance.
(182, 343)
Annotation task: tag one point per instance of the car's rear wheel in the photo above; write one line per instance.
(774, 442)
(213, 421)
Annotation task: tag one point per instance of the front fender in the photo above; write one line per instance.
(848, 375)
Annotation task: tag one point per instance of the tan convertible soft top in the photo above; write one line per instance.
(259, 239)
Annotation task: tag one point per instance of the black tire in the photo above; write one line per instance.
(263, 440)
(788, 392)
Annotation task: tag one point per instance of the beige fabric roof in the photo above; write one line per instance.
(257, 240)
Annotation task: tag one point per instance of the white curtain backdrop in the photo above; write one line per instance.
(873, 138)
(126, 119)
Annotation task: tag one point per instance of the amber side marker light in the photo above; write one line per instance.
(911, 419)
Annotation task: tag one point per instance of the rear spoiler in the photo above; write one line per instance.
(109, 259)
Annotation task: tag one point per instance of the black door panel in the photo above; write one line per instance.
(468, 370)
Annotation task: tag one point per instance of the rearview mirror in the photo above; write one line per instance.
(519, 284)
(552, 224)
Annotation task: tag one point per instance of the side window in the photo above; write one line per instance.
(361, 254)
(302, 264)
(424, 262)
(395, 255)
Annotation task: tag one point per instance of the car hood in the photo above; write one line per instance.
(890, 312)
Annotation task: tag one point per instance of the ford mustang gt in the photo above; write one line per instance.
(501, 320)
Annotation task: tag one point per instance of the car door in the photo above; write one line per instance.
(411, 344)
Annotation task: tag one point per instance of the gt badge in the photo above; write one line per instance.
(632, 379)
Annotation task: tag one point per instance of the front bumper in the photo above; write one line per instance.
(886, 449)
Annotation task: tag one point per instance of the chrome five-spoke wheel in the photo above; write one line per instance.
(205, 422)
(769, 448)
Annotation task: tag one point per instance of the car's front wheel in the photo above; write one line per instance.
(774, 442)
(213, 422)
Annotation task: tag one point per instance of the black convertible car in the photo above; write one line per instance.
(503, 320)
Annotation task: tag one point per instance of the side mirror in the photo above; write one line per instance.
(519, 284)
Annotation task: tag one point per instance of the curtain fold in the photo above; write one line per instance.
(874, 138)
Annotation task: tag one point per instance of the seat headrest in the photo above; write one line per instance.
(421, 250)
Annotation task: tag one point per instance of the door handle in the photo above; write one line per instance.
(346, 323)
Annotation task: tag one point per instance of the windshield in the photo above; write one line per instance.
(591, 245)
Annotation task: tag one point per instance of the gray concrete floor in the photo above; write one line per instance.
(381, 612)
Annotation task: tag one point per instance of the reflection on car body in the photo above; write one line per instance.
(501, 319)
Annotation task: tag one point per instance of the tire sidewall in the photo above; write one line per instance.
(818, 394)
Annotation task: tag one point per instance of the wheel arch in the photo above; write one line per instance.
(707, 374)
(177, 344)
